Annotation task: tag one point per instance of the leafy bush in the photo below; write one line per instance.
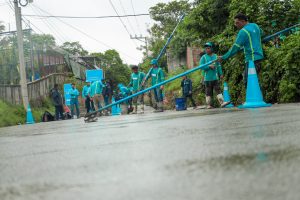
(280, 79)
(213, 21)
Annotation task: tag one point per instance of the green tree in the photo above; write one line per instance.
(107, 59)
(8, 59)
(208, 18)
(74, 48)
(113, 66)
(166, 16)
(2, 27)
(43, 39)
(212, 20)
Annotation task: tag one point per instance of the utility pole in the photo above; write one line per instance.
(23, 81)
(142, 39)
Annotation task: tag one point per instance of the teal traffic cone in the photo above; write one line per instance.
(254, 98)
(115, 110)
(227, 96)
(29, 117)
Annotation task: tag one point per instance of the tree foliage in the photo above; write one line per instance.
(110, 60)
(43, 40)
(212, 20)
(74, 48)
(2, 27)
(166, 16)
(114, 68)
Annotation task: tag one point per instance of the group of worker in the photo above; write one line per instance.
(97, 95)
(248, 38)
(137, 83)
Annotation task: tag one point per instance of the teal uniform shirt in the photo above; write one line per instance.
(96, 88)
(249, 38)
(74, 93)
(85, 91)
(157, 75)
(124, 92)
(211, 74)
(136, 80)
(91, 90)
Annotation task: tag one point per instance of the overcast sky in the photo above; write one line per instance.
(109, 33)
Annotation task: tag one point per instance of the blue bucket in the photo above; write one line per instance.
(180, 103)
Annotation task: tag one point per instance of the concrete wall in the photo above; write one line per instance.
(36, 89)
(193, 56)
(175, 62)
(190, 61)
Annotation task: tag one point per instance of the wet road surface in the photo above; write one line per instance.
(198, 154)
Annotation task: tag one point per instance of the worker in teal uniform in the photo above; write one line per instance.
(248, 39)
(86, 97)
(157, 76)
(74, 93)
(96, 93)
(136, 79)
(123, 93)
(212, 75)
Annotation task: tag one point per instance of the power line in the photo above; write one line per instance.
(28, 24)
(87, 17)
(121, 21)
(61, 36)
(89, 36)
(49, 26)
(138, 25)
(11, 7)
(122, 6)
(34, 26)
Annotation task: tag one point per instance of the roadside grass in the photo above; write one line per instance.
(11, 115)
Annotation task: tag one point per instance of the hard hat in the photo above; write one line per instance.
(120, 85)
(134, 66)
(209, 44)
(154, 62)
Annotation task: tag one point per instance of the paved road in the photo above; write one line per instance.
(217, 154)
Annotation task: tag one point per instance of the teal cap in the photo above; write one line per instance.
(154, 62)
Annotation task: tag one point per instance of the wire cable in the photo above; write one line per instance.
(87, 17)
(122, 21)
(89, 36)
(53, 30)
(135, 17)
(58, 32)
(24, 18)
(122, 6)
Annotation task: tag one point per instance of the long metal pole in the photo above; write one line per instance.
(173, 78)
(164, 48)
(154, 86)
(268, 38)
(169, 39)
(23, 81)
